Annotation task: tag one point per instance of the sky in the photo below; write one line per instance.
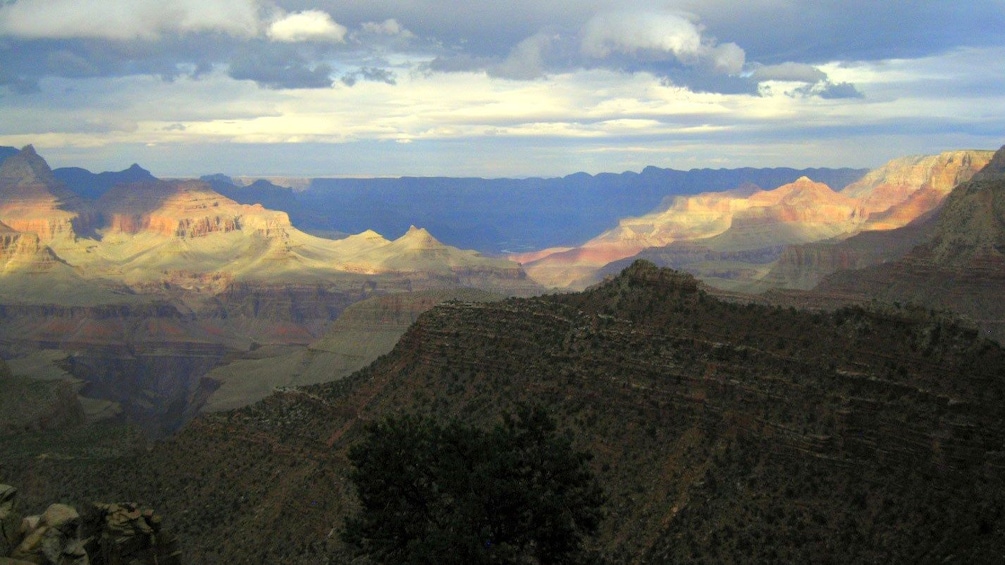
(497, 89)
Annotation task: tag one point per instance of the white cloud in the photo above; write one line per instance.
(309, 25)
(647, 34)
(727, 58)
(118, 20)
(631, 32)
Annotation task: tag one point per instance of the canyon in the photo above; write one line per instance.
(155, 283)
(851, 413)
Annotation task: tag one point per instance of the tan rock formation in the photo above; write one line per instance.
(24, 252)
(171, 275)
(894, 184)
(54, 538)
(33, 201)
(184, 209)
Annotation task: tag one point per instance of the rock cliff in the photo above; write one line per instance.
(959, 266)
(183, 209)
(895, 183)
(33, 201)
(743, 220)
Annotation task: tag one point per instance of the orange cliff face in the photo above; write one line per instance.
(749, 218)
(906, 188)
(185, 209)
(33, 201)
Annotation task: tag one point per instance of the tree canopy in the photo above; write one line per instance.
(452, 493)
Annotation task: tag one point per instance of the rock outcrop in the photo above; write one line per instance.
(126, 534)
(10, 520)
(52, 538)
(107, 534)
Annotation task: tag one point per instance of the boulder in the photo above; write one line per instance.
(125, 534)
(10, 520)
(55, 540)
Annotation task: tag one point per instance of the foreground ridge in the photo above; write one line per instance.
(721, 431)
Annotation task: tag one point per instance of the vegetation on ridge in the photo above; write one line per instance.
(439, 494)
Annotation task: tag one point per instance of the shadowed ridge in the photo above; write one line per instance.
(995, 169)
(92, 186)
(644, 274)
(27, 167)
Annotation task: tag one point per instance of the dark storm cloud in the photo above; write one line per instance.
(776, 32)
(371, 74)
(26, 62)
(280, 67)
(840, 90)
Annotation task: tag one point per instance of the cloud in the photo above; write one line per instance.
(458, 63)
(664, 44)
(633, 32)
(794, 72)
(309, 25)
(829, 91)
(280, 68)
(526, 60)
(371, 74)
(654, 36)
(118, 20)
(386, 27)
(832, 91)
(69, 64)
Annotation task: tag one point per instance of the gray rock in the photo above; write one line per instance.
(10, 520)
